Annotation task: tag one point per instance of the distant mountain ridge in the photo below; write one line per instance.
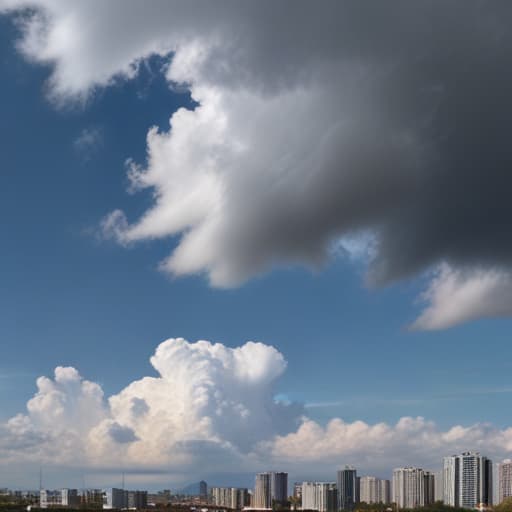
(189, 490)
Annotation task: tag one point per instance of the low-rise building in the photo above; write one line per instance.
(65, 498)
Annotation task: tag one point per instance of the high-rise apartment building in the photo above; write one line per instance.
(279, 487)
(438, 486)
(347, 488)
(308, 493)
(384, 491)
(327, 497)
(49, 498)
(374, 490)
(70, 498)
(467, 480)
(332, 497)
(504, 480)
(413, 487)
(91, 498)
(221, 496)
(321, 496)
(451, 481)
(137, 499)
(368, 489)
(429, 481)
(230, 497)
(243, 498)
(262, 496)
(115, 498)
(270, 487)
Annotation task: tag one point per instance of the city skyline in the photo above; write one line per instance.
(240, 236)
(465, 482)
(444, 482)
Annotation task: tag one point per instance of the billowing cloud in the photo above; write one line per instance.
(205, 393)
(382, 446)
(212, 409)
(206, 397)
(313, 123)
(58, 417)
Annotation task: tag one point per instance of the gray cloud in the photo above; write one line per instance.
(315, 122)
(121, 434)
(139, 407)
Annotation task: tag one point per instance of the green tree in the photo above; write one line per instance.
(504, 506)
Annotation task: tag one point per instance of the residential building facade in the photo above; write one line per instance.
(467, 480)
(413, 487)
(374, 490)
(262, 495)
(270, 487)
(320, 496)
(504, 480)
(347, 488)
(230, 497)
(279, 487)
(65, 498)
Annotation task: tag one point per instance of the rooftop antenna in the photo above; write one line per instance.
(40, 478)
(122, 482)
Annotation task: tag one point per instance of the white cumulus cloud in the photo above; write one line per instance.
(382, 446)
(212, 409)
(206, 397)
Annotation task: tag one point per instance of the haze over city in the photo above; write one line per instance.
(242, 237)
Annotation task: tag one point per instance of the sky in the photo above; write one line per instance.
(240, 237)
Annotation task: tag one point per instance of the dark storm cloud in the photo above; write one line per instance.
(316, 120)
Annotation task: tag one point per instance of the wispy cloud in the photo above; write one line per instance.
(364, 400)
(8, 375)
(407, 401)
(326, 405)
(88, 142)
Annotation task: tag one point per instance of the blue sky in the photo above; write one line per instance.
(71, 297)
